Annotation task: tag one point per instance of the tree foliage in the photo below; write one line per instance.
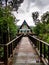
(7, 26)
(8, 29)
(42, 28)
(35, 16)
(13, 3)
(45, 18)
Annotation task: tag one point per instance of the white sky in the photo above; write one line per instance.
(29, 6)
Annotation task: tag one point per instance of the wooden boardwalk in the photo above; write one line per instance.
(25, 54)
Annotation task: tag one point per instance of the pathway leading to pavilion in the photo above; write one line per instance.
(26, 53)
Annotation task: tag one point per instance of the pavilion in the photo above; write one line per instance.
(25, 28)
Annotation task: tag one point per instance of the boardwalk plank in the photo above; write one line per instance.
(26, 53)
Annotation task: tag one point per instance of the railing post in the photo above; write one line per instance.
(35, 42)
(40, 49)
(6, 55)
(38, 45)
(12, 49)
(8, 50)
(44, 50)
(48, 55)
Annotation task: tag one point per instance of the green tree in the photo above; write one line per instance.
(6, 25)
(8, 29)
(35, 16)
(47, 28)
(39, 29)
(45, 18)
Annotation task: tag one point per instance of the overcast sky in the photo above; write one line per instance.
(29, 6)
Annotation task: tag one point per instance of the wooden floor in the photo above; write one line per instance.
(25, 53)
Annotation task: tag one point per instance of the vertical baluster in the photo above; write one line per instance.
(12, 48)
(38, 45)
(40, 49)
(44, 51)
(13, 45)
(6, 55)
(48, 55)
(35, 41)
(8, 50)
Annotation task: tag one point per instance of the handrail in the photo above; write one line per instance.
(13, 40)
(10, 41)
(40, 40)
(9, 47)
(43, 47)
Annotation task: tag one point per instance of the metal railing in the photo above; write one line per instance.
(43, 48)
(8, 49)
